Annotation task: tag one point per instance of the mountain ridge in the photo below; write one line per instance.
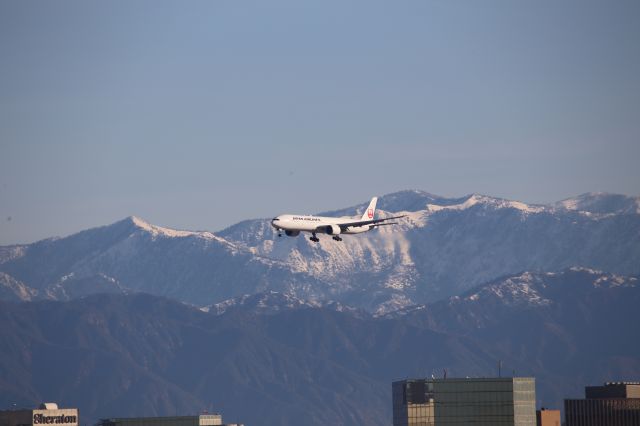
(443, 247)
(155, 356)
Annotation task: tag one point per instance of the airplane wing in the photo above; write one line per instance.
(376, 222)
(387, 223)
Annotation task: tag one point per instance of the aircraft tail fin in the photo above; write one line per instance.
(370, 212)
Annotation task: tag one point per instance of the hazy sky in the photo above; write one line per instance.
(199, 114)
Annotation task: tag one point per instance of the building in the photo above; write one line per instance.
(614, 404)
(47, 413)
(546, 417)
(614, 390)
(413, 402)
(457, 402)
(201, 420)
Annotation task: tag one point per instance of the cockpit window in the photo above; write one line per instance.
(275, 218)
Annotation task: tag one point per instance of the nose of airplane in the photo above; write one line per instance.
(273, 222)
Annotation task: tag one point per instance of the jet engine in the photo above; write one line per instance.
(332, 229)
(292, 233)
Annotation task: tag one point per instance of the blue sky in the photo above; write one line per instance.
(199, 114)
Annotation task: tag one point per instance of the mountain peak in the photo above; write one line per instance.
(601, 203)
(538, 289)
(516, 290)
(163, 232)
(139, 222)
(487, 201)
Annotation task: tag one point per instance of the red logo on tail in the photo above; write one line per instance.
(370, 213)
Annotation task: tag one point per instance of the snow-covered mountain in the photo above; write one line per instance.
(132, 255)
(443, 247)
(602, 203)
(489, 304)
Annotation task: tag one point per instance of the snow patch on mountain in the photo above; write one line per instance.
(417, 219)
(271, 302)
(9, 253)
(12, 289)
(396, 302)
(601, 204)
(530, 290)
(497, 203)
(610, 281)
(585, 269)
(514, 291)
(159, 231)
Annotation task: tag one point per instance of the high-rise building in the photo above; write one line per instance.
(457, 402)
(614, 404)
(47, 413)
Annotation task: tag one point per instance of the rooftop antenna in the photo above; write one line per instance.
(445, 373)
(499, 368)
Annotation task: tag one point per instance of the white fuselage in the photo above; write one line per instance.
(291, 222)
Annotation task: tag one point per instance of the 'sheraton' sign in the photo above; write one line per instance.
(41, 419)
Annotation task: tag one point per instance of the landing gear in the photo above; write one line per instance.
(279, 234)
(335, 237)
(314, 238)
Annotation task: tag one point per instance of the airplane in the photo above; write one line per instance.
(293, 224)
